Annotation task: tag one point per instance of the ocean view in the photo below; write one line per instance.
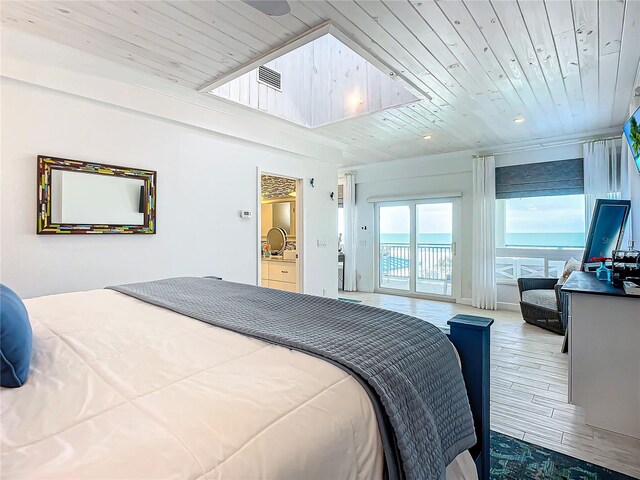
(430, 238)
(567, 240)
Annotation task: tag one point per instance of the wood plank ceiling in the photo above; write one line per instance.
(324, 82)
(565, 67)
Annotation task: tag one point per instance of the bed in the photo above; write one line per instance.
(121, 388)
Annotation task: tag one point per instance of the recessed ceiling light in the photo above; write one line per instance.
(518, 120)
(427, 137)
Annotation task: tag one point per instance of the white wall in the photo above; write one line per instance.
(432, 175)
(204, 180)
(537, 155)
(447, 173)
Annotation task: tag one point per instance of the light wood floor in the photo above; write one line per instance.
(528, 385)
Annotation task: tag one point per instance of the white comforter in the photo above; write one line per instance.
(122, 389)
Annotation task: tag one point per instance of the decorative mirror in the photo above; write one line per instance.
(82, 197)
(277, 238)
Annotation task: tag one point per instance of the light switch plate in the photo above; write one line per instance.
(322, 244)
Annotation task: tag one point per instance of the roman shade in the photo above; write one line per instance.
(562, 177)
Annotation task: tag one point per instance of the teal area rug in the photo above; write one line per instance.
(350, 300)
(513, 459)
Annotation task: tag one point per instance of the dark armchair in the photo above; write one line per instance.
(543, 304)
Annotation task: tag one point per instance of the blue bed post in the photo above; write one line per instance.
(470, 335)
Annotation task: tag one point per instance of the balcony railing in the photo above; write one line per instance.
(513, 263)
(433, 262)
(509, 269)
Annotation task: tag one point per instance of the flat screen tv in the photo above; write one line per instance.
(606, 230)
(632, 132)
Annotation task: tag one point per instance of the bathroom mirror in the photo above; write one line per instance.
(282, 216)
(277, 239)
(279, 213)
(82, 197)
(79, 197)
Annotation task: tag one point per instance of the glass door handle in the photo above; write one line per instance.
(453, 248)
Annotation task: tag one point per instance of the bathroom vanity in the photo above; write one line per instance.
(278, 273)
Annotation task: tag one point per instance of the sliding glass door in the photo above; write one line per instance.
(396, 260)
(434, 247)
(416, 247)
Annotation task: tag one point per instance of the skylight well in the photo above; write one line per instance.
(319, 82)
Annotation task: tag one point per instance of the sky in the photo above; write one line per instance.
(432, 218)
(559, 214)
(555, 214)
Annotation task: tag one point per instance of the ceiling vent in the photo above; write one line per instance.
(270, 78)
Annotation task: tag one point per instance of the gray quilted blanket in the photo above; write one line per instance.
(407, 365)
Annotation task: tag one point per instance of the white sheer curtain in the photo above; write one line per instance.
(603, 174)
(484, 288)
(350, 241)
(628, 169)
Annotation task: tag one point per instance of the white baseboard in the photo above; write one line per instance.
(464, 301)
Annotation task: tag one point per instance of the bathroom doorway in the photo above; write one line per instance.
(280, 256)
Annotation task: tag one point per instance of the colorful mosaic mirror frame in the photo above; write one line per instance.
(45, 226)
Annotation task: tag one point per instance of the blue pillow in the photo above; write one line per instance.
(15, 339)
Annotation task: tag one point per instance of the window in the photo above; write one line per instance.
(541, 222)
(536, 235)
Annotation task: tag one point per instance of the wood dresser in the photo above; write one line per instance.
(604, 353)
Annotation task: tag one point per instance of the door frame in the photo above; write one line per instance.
(456, 268)
(299, 206)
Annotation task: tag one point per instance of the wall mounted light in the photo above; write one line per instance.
(355, 100)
